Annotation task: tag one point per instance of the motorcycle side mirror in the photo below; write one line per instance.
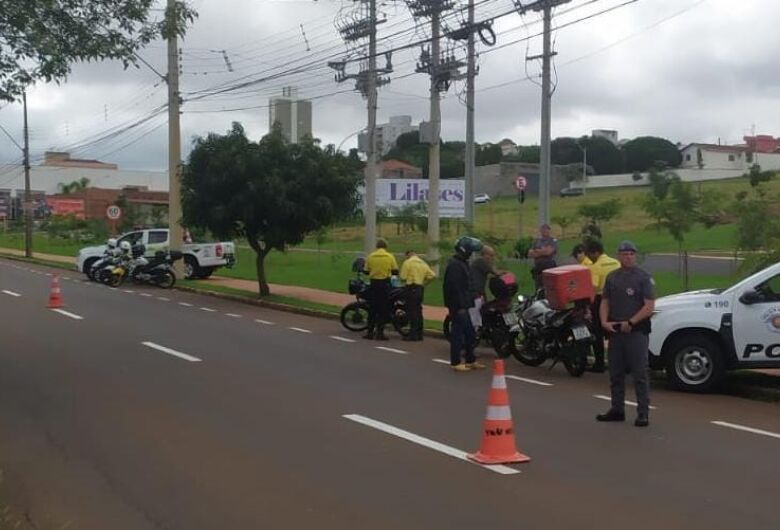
(520, 298)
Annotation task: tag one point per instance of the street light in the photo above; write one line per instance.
(347, 138)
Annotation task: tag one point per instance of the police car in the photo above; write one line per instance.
(698, 336)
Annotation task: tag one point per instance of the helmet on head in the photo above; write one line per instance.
(125, 246)
(112, 242)
(467, 245)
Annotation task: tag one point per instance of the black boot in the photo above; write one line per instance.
(642, 420)
(598, 367)
(611, 415)
(380, 333)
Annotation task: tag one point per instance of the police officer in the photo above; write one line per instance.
(380, 266)
(627, 304)
(544, 250)
(415, 273)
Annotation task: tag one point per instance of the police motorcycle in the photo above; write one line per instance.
(157, 271)
(354, 316)
(114, 272)
(108, 255)
(499, 319)
(545, 333)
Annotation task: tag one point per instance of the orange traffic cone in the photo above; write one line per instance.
(498, 438)
(55, 294)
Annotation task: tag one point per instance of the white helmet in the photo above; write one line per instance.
(125, 246)
(112, 242)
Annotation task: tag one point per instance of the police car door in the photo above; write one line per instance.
(756, 321)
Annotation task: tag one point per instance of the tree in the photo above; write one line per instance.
(41, 39)
(601, 212)
(270, 192)
(76, 185)
(756, 176)
(603, 156)
(642, 153)
(528, 154)
(565, 151)
(487, 154)
(564, 221)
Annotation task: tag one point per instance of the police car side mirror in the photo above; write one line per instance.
(750, 297)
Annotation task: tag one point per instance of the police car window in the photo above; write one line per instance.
(157, 236)
(132, 238)
(771, 288)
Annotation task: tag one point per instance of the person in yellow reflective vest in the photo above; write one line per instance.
(600, 267)
(380, 267)
(415, 274)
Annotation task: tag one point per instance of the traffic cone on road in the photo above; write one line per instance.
(55, 294)
(498, 438)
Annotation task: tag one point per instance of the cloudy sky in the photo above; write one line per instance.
(688, 70)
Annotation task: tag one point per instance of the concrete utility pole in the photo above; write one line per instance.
(434, 151)
(174, 139)
(547, 54)
(369, 240)
(470, 151)
(28, 204)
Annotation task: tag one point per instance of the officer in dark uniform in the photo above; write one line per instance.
(627, 304)
(543, 251)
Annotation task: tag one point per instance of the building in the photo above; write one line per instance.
(727, 157)
(387, 134)
(763, 143)
(398, 169)
(91, 203)
(508, 147)
(609, 134)
(294, 115)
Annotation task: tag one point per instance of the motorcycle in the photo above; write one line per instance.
(354, 316)
(109, 255)
(113, 273)
(158, 271)
(545, 334)
(499, 317)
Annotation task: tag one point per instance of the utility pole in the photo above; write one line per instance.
(369, 240)
(546, 6)
(174, 137)
(28, 204)
(434, 151)
(470, 150)
(356, 26)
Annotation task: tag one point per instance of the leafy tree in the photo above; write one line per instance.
(644, 152)
(529, 154)
(601, 212)
(271, 192)
(603, 156)
(564, 221)
(41, 39)
(487, 154)
(408, 140)
(565, 151)
(756, 176)
(76, 185)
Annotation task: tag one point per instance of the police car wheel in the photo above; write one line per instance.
(695, 363)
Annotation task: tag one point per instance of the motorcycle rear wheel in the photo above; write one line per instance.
(522, 352)
(354, 316)
(576, 360)
(401, 322)
(166, 280)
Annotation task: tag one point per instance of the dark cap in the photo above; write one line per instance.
(627, 246)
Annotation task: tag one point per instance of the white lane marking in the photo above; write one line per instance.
(11, 293)
(163, 299)
(631, 403)
(68, 314)
(129, 291)
(746, 429)
(147, 295)
(232, 315)
(171, 352)
(208, 310)
(300, 330)
(426, 442)
(185, 304)
(391, 350)
(342, 339)
(48, 274)
(526, 380)
(266, 322)
(440, 361)
(66, 278)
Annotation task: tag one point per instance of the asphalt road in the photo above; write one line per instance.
(233, 417)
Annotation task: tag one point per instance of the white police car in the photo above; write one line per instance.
(698, 336)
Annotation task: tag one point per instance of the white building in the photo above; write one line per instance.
(732, 157)
(508, 147)
(293, 114)
(609, 134)
(387, 134)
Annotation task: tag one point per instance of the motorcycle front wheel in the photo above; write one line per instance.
(500, 339)
(522, 351)
(166, 280)
(116, 280)
(576, 360)
(354, 316)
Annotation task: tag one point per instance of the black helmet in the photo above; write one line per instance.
(467, 245)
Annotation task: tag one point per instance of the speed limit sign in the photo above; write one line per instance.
(521, 183)
(113, 212)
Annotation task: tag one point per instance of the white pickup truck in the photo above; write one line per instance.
(698, 336)
(200, 259)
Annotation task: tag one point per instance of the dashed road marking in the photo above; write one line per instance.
(68, 314)
(129, 291)
(630, 403)
(426, 442)
(265, 322)
(11, 293)
(185, 304)
(744, 428)
(526, 380)
(342, 339)
(440, 361)
(392, 350)
(232, 315)
(208, 310)
(163, 299)
(169, 351)
(147, 295)
(300, 330)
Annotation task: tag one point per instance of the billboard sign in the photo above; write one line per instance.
(399, 193)
(59, 206)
